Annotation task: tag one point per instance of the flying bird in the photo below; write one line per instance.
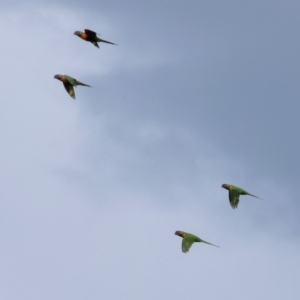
(189, 239)
(234, 194)
(69, 83)
(91, 36)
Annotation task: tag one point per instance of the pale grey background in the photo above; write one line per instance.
(196, 94)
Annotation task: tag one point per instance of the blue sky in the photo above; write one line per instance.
(195, 95)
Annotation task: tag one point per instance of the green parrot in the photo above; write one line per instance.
(189, 239)
(234, 194)
(91, 36)
(69, 83)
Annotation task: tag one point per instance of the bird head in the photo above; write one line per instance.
(179, 233)
(77, 33)
(225, 186)
(57, 76)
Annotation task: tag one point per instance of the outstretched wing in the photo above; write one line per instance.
(90, 33)
(186, 244)
(234, 199)
(95, 43)
(69, 88)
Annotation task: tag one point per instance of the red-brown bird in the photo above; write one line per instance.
(91, 36)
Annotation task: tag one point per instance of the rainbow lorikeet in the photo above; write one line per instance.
(91, 36)
(69, 83)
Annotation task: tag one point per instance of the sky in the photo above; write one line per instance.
(194, 95)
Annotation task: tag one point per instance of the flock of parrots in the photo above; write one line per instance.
(68, 81)
(234, 192)
(234, 198)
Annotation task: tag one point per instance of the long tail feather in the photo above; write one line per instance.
(104, 41)
(254, 196)
(80, 83)
(209, 243)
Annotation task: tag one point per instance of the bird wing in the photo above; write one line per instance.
(69, 88)
(234, 199)
(91, 33)
(187, 243)
(95, 44)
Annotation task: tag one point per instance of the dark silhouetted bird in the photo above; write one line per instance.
(91, 36)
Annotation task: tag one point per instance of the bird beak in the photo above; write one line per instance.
(77, 32)
(57, 77)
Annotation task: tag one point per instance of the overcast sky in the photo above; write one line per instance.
(195, 94)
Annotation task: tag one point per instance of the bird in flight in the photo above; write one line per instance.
(189, 239)
(234, 194)
(91, 36)
(69, 83)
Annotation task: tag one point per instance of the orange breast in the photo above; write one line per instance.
(63, 78)
(83, 35)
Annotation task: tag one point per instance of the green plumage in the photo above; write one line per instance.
(234, 194)
(69, 83)
(189, 239)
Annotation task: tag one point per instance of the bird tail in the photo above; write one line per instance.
(209, 243)
(80, 83)
(254, 196)
(104, 41)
